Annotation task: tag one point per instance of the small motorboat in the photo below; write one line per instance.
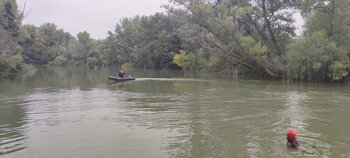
(114, 78)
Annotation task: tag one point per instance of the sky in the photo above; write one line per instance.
(94, 16)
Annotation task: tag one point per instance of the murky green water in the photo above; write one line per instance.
(78, 113)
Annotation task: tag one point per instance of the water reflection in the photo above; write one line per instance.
(79, 113)
(12, 121)
(300, 117)
(191, 110)
(214, 119)
(297, 110)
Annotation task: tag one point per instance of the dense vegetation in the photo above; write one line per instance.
(239, 37)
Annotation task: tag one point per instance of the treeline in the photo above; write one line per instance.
(253, 38)
(143, 41)
(258, 37)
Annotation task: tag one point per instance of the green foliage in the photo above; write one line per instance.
(10, 65)
(28, 70)
(190, 61)
(92, 62)
(148, 42)
(218, 64)
(317, 58)
(60, 61)
(84, 38)
(326, 45)
(14, 61)
(80, 49)
(243, 37)
(77, 63)
(252, 34)
(9, 16)
(43, 44)
(10, 51)
(184, 60)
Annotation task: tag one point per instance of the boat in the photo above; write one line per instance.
(114, 78)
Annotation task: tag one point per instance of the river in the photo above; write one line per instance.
(78, 113)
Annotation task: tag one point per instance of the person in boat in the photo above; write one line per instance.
(292, 139)
(121, 74)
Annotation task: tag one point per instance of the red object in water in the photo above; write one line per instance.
(292, 134)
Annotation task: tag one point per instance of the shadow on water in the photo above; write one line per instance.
(58, 78)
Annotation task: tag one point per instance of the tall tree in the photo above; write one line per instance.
(82, 46)
(252, 33)
(44, 43)
(323, 54)
(10, 18)
(148, 42)
(10, 51)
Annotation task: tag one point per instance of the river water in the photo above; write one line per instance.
(78, 113)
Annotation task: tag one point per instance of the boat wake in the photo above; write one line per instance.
(167, 79)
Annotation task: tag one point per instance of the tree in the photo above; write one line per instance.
(10, 54)
(317, 58)
(331, 16)
(323, 54)
(148, 42)
(189, 61)
(82, 46)
(10, 18)
(252, 33)
(44, 43)
(10, 51)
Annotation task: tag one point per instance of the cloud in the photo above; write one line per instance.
(94, 16)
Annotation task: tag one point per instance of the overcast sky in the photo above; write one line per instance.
(94, 16)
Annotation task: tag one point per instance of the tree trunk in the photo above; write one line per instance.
(331, 18)
(270, 31)
(234, 69)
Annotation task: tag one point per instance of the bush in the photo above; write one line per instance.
(77, 63)
(28, 70)
(190, 61)
(317, 58)
(92, 61)
(60, 61)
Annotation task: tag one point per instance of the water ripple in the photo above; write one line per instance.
(11, 139)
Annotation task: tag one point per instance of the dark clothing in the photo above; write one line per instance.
(292, 143)
(121, 74)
